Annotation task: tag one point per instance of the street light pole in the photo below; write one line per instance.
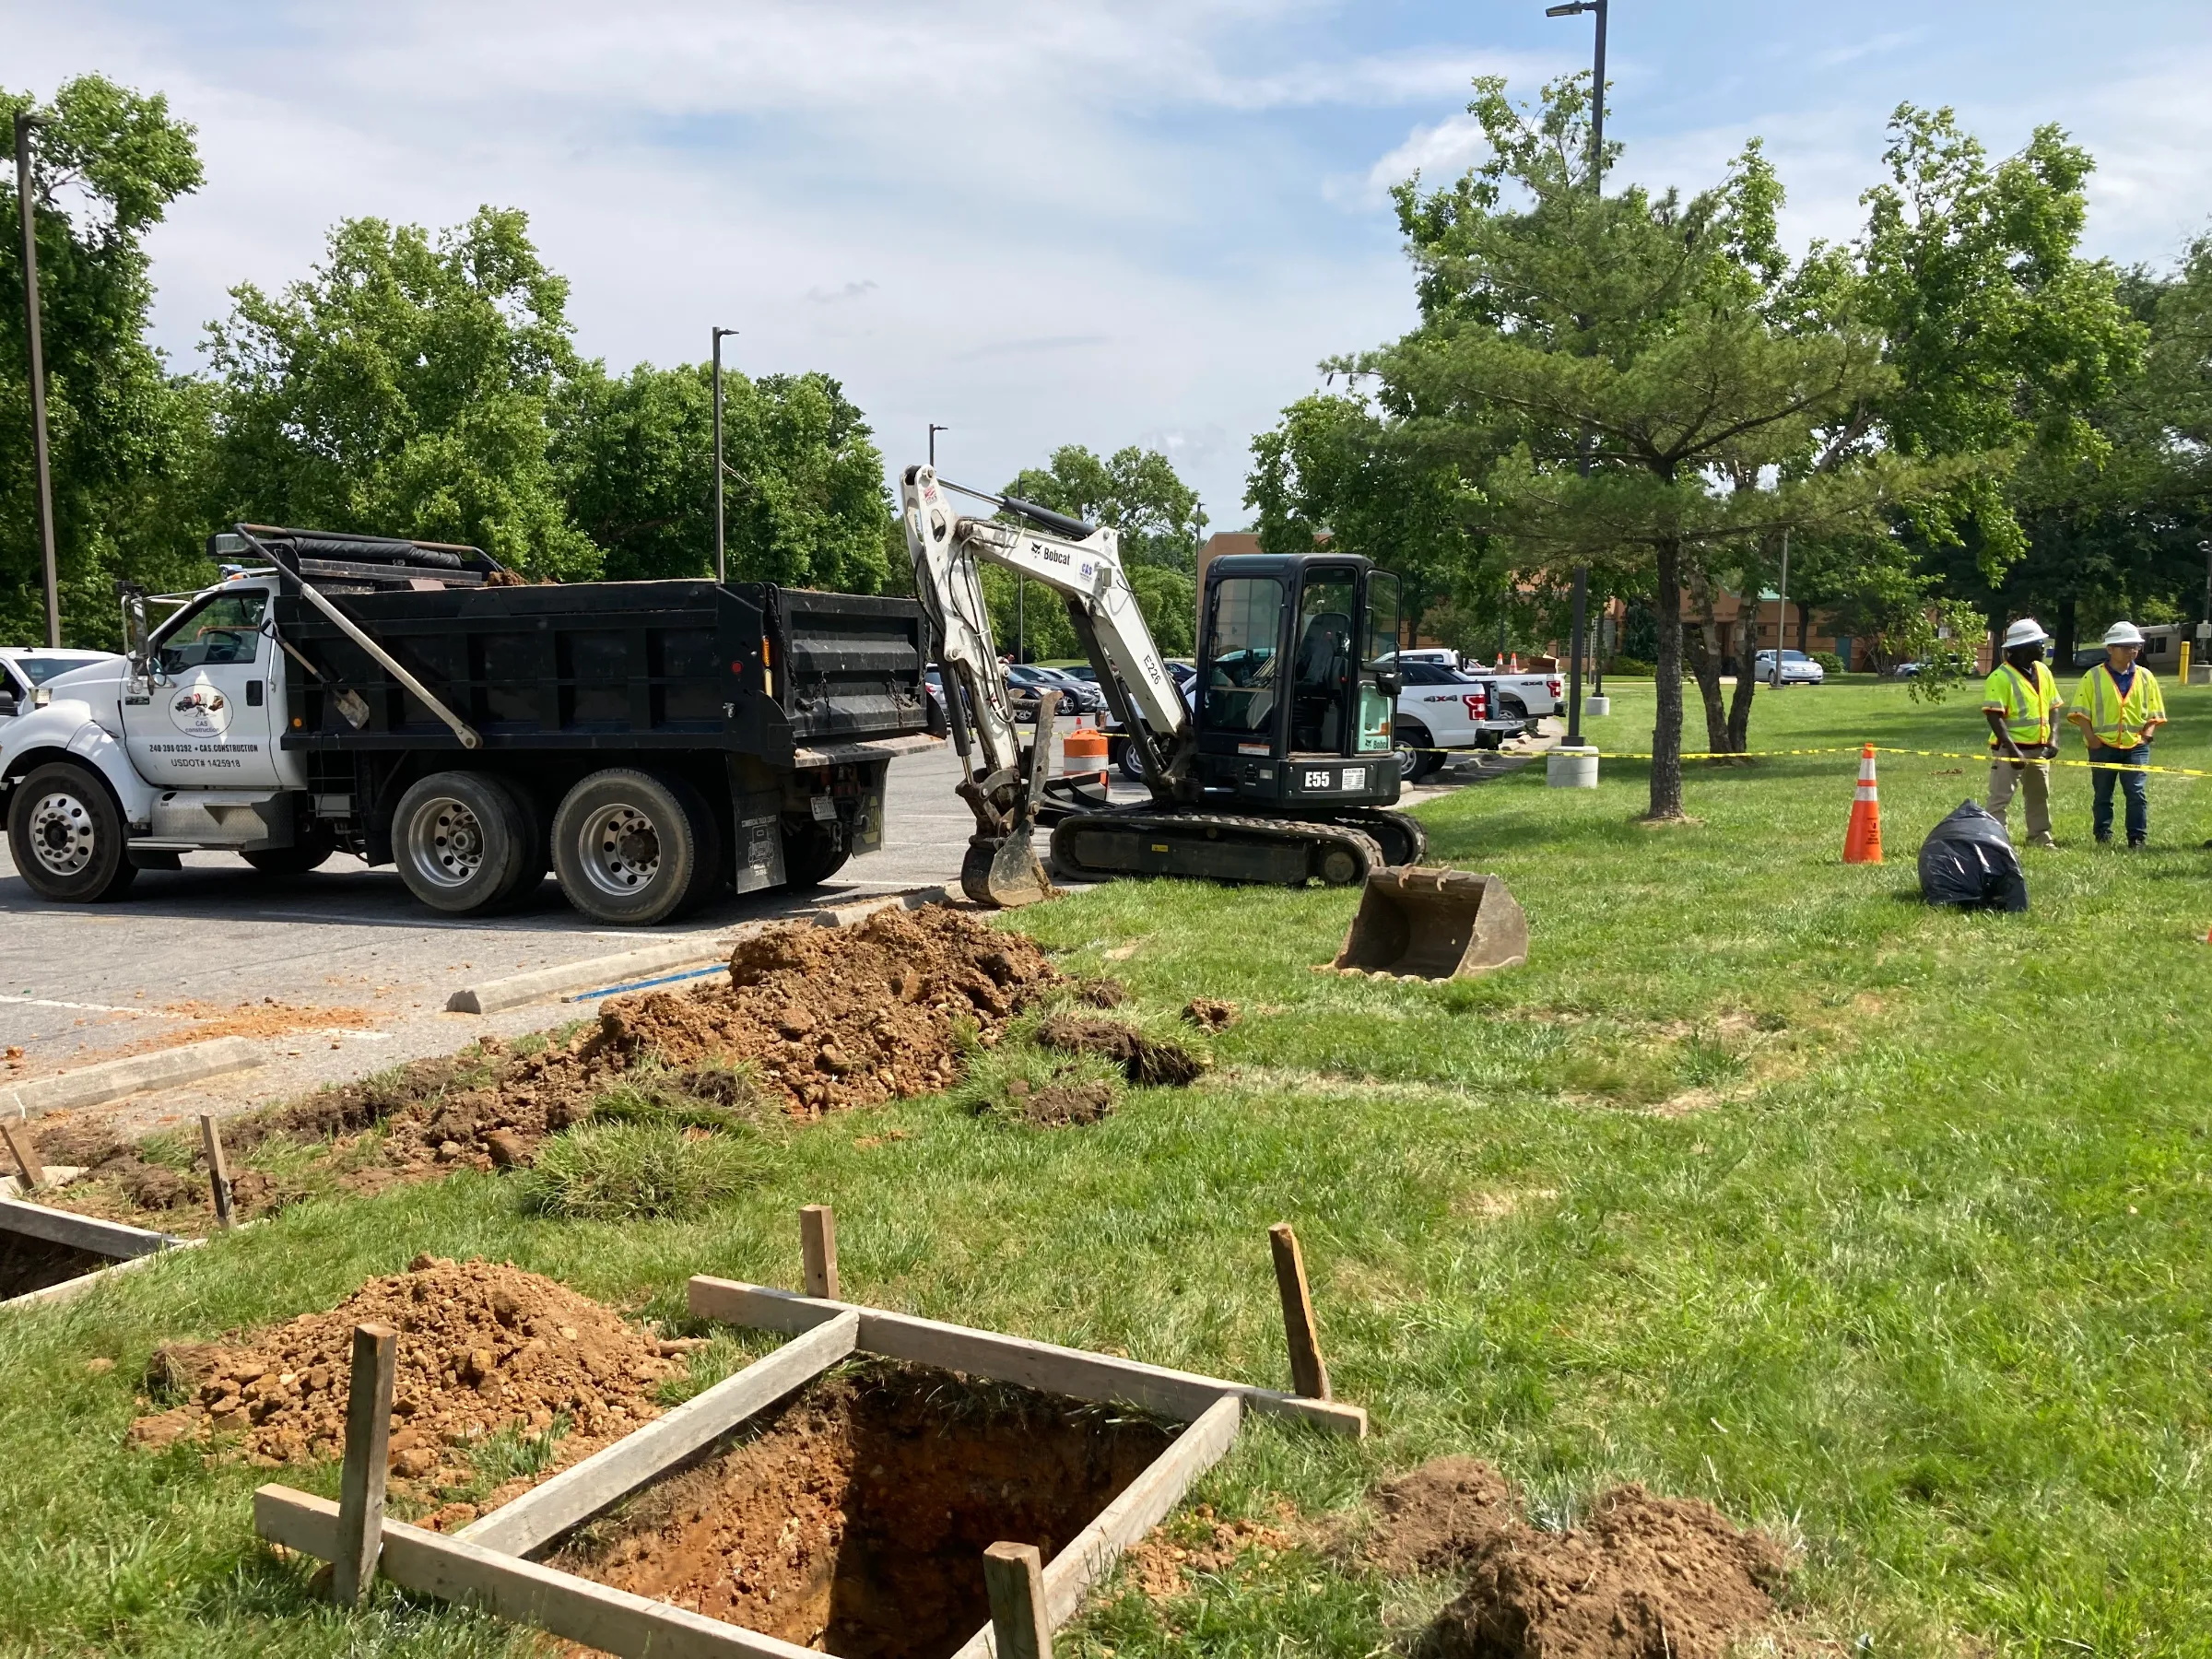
(934, 429)
(26, 211)
(1587, 462)
(722, 573)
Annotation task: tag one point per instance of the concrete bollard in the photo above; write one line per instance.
(1571, 769)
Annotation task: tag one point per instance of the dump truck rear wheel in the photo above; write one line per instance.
(631, 848)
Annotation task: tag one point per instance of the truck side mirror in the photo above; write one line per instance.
(1389, 681)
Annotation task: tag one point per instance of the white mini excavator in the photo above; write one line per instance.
(1280, 767)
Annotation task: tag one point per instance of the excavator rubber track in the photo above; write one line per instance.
(1212, 846)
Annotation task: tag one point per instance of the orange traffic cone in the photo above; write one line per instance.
(1862, 840)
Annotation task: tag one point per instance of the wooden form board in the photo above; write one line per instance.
(81, 1232)
(1040, 1365)
(484, 1565)
(580, 1492)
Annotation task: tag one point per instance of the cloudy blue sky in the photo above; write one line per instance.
(1053, 221)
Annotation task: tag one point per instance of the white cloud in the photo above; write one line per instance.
(1091, 221)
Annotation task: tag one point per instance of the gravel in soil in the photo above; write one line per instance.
(498, 1370)
(854, 1516)
(1644, 1577)
(810, 1021)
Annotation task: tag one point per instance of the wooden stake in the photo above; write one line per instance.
(1309, 1376)
(817, 1244)
(1014, 1576)
(367, 1451)
(25, 1154)
(219, 1169)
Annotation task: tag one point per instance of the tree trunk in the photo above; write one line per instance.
(1705, 663)
(2065, 634)
(1746, 678)
(1666, 681)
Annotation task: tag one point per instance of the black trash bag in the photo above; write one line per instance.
(1968, 861)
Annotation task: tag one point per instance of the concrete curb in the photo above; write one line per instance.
(112, 1079)
(493, 995)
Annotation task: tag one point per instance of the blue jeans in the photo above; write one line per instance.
(2136, 785)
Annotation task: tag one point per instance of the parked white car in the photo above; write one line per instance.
(24, 668)
(1797, 669)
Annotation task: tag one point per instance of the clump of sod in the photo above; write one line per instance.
(617, 1171)
(706, 1097)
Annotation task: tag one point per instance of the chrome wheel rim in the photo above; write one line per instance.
(621, 850)
(63, 835)
(446, 842)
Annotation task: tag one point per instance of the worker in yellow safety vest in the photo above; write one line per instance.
(2020, 701)
(2120, 708)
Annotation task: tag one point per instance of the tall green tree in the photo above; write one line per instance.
(1135, 491)
(804, 500)
(1327, 473)
(1629, 378)
(2003, 338)
(405, 389)
(126, 435)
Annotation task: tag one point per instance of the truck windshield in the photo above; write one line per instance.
(223, 628)
(1242, 636)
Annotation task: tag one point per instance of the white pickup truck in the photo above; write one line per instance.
(1517, 696)
(1441, 709)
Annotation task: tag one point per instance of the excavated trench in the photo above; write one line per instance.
(29, 1263)
(854, 1516)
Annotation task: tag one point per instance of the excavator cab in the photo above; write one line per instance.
(1296, 685)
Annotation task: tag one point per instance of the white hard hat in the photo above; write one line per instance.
(2026, 631)
(2123, 633)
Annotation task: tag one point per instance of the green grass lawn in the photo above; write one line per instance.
(1887, 1228)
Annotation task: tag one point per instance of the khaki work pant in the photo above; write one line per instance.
(2034, 781)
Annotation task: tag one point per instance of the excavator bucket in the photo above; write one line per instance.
(1434, 923)
(1003, 872)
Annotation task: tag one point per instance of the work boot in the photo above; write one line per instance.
(2049, 844)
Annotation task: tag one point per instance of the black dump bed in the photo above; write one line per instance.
(748, 668)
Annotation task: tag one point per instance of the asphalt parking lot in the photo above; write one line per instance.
(339, 973)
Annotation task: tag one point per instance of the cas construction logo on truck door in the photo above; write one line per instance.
(200, 712)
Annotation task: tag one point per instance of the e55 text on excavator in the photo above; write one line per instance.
(1283, 772)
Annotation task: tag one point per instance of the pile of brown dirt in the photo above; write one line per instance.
(1644, 1578)
(855, 1516)
(810, 1021)
(1440, 1517)
(482, 1346)
(1211, 1014)
(1145, 1061)
(1062, 1105)
(1162, 1563)
(836, 1018)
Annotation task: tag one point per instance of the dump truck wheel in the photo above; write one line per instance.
(67, 836)
(631, 848)
(456, 838)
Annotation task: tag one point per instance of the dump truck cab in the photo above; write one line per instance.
(1296, 687)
